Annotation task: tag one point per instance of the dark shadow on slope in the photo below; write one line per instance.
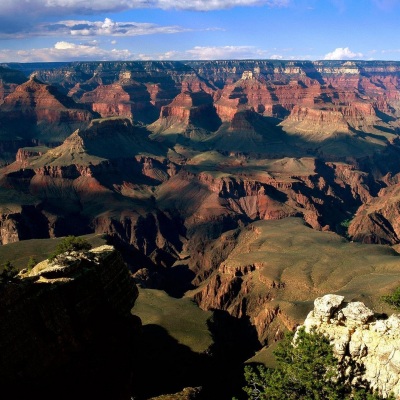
(96, 363)
(263, 137)
(178, 280)
(384, 117)
(235, 341)
(163, 365)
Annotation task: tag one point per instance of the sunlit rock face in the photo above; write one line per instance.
(360, 336)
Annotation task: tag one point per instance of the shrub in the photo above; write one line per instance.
(31, 263)
(9, 271)
(307, 370)
(393, 299)
(70, 243)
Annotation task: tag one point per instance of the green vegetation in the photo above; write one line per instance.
(344, 227)
(306, 370)
(31, 263)
(8, 270)
(39, 249)
(70, 243)
(393, 299)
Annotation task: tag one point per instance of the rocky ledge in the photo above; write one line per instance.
(359, 336)
(66, 328)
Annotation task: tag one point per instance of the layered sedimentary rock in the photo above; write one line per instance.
(99, 180)
(377, 221)
(353, 90)
(357, 335)
(37, 113)
(327, 121)
(39, 101)
(188, 112)
(67, 324)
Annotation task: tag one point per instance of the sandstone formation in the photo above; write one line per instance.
(321, 97)
(377, 221)
(358, 335)
(36, 113)
(186, 114)
(67, 324)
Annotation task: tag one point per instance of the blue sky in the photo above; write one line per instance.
(71, 30)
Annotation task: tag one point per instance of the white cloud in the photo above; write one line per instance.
(168, 55)
(343, 53)
(65, 46)
(108, 27)
(92, 51)
(34, 11)
(66, 51)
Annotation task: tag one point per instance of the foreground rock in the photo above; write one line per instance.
(185, 394)
(359, 336)
(66, 328)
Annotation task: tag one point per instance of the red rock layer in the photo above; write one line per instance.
(37, 101)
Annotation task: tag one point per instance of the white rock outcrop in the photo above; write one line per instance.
(357, 335)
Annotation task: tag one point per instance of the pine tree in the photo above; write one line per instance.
(306, 370)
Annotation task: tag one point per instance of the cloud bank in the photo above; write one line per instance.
(66, 51)
(93, 51)
(108, 27)
(59, 7)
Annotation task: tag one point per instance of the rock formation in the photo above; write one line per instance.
(377, 221)
(37, 113)
(9, 80)
(357, 335)
(188, 112)
(67, 324)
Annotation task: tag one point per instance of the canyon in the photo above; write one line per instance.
(250, 187)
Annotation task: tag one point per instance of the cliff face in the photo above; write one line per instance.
(38, 101)
(38, 113)
(321, 97)
(189, 111)
(359, 336)
(67, 324)
(377, 221)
